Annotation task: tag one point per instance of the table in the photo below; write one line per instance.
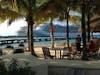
(56, 49)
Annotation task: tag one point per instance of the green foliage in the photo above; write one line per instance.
(15, 69)
(39, 2)
(3, 69)
(75, 20)
(2, 19)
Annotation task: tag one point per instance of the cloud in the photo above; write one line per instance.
(6, 30)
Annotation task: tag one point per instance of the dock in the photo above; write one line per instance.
(13, 40)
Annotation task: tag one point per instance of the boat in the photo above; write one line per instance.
(44, 31)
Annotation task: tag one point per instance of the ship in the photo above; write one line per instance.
(44, 31)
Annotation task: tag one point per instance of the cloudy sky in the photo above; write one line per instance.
(6, 30)
(12, 29)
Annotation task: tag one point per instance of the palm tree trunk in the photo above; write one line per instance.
(67, 19)
(67, 29)
(51, 33)
(30, 27)
(88, 27)
(30, 35)
(84, 57)
(89, 9)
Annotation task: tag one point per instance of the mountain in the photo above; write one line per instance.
(44, 30)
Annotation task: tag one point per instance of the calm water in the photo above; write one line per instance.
(43, 43)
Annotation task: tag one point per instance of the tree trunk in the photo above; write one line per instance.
(84, 57)
(52, 33)
(88, 26)
(67, 29)
(67, 20)
(30, 35)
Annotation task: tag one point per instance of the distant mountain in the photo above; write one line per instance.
(44, 30)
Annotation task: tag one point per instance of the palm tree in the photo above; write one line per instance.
(5, 14)
(87, 3)
(51, 10)
(56, 9)
(27, 8)
(96, 6)
(76, 7)
(67, 10)
(89, 10)
(70, 5)
(93, 6)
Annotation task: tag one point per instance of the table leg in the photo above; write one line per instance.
(60, 54)
(55, 54)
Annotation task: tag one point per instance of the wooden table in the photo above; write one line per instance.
(57, 49)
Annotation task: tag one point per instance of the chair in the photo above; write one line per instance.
(66, 53)
(97, 46)
(1, 52)
(46, 53)
(76, 54)
(19, 50)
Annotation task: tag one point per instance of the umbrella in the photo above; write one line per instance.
(94, 24)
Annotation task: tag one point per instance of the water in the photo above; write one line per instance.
(46, 43)
(41, 43)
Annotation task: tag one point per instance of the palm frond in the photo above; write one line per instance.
(51, 8)
(76, 20)
(5, 13)
(2, 19)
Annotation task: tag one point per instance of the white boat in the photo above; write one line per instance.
(44, 30)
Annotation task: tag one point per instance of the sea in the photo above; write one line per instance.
(37, 43)
(42, 43)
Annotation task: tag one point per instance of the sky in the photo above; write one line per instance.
(6, 30)
(11, 30)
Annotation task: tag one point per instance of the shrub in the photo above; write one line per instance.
(15, 69)
(3, 69)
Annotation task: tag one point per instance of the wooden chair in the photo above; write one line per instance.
(97, 46)
(75, 52)
(46, 53)
(66, 53)
(1, 52)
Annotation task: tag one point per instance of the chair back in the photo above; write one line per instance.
(97, 44)
(65, 50)
(46, 51)
(1, 52)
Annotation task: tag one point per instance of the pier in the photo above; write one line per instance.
(12, 40)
